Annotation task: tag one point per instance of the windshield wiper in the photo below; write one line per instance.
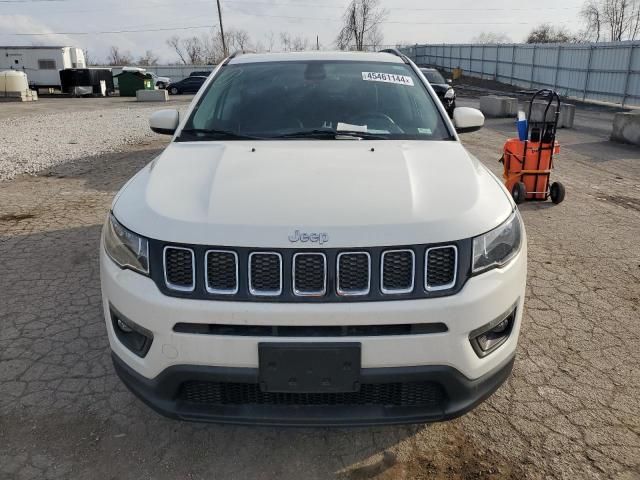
(331, 134)
(213, 133)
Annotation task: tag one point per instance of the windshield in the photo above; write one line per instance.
(434, 76)
(316, 99)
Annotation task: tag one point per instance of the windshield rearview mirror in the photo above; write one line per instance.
(164, 122)
(467, 119)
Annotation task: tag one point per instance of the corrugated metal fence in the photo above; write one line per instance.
(608, 72)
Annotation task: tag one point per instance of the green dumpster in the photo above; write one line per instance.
(130, 82)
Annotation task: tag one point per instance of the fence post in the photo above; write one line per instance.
(555, 79)
(482, 63)
(513, 61)
(586, 77)
(626, 82)
(533, 64)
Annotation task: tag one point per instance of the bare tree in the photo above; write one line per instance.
(88, 59)
(547, 33)
(361, 23)
(612, 20)
(239, 39)
(590, 13)
(270, 41)
(194, 48)
(149, 58)
(299, 44)
(175, 43)
(285, 40)
(116, 57)
(491, 37)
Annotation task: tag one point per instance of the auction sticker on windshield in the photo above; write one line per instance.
(387, 78)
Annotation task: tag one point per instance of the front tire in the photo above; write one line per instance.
(174, 91)
(519, 193)
(557, 192)
(161, 85)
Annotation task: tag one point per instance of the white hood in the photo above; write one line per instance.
(360, 193)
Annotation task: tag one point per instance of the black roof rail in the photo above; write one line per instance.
(397, 53)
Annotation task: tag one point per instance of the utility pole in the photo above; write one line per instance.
(224, 43)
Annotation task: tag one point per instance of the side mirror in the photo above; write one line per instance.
(164, 122)
(467, 119)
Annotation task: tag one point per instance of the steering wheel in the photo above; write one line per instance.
(366, 117)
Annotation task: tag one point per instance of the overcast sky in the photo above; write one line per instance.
(408, 21)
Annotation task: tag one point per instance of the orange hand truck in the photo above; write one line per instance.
(528, 163)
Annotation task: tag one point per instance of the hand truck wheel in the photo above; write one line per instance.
(557, 192)
(519, 193)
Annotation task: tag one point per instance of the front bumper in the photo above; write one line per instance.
(164, 394)
(445, 358)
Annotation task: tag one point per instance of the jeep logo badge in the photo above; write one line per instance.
(313, 237)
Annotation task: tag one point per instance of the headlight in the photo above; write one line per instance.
(497, 247)
(126, 248)
(450, 93)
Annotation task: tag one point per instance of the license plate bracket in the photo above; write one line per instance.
(309, 367)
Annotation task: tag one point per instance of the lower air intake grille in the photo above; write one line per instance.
(441, 267)
(179, 268)
(381, 394)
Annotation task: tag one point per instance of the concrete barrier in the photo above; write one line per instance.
(152, 95)
(498, 107)
(565, 120)
(24, 96)
(626, 128)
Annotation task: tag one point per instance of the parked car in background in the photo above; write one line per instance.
(200, 74)
(445, 92)
(187, 85)
(160, 82)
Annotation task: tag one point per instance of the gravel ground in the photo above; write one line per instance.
(30, 143)
(569, 411)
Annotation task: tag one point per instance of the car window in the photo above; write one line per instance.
(273, 99)
(434, 76)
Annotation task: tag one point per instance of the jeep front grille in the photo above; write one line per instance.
(179, 271)
(221, 267)
(309, 274)
(329, 275)
(398, 271)
(440, 268)
(265, 273)
(354, 273)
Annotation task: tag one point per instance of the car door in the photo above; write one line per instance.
(195, 84)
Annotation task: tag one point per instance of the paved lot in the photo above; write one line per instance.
(570, 410)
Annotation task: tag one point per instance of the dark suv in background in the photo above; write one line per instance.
(445, 92)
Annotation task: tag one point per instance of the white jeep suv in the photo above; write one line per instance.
(314, 247)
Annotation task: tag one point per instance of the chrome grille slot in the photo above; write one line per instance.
(354, 273)
(309, 274)
(179, 268)
(441, 265)
(265, 273)
(397, 271)
(221, 270)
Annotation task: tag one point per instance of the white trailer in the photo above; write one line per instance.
(41, 64)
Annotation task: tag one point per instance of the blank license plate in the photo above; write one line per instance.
(309, 367)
